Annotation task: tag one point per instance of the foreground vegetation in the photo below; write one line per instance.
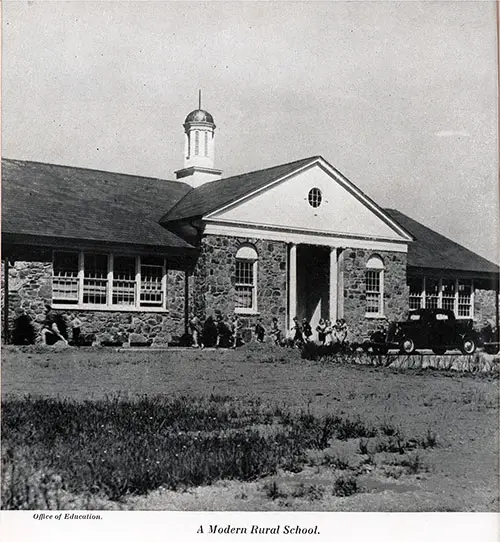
(118, 447)
(262, 428)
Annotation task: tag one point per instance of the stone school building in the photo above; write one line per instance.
(133, 257)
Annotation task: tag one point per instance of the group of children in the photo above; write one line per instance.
(332, 333)
(329, 332)
(218, 333)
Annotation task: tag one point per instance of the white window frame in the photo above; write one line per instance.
(109, 306)
(375, 264)
(457, 281)
(244, 254)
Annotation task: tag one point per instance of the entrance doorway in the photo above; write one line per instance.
(313, 283)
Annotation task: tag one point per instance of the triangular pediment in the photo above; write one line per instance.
(316, 199)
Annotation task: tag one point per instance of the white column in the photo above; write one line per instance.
(340, 283)
(333, 284)
(292, 284)
(109, 284)
(81, 275)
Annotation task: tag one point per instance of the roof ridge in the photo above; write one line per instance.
(228, 180)
(90, 169)
(310, 158)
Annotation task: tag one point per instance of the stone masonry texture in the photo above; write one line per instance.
(395, 290)
(214, 280)
(30, 288)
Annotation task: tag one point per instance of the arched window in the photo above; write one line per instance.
(374, 282)
(246, 279)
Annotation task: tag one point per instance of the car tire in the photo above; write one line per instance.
(439, 351)
(468, 346)
(492, 349)
(407, 346)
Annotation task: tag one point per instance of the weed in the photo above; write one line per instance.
(414, 464)
(348, 429)
(363, 446)
(311, 492)
(335, 462)
(344, 487)
(430, 440)
(273, 491)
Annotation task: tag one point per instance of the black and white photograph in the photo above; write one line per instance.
(250, 263)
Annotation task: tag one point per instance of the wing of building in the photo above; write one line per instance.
(131, 258)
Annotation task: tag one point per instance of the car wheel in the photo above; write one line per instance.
(407, 346)
(491, 349)
(439, 351)
(468, 346)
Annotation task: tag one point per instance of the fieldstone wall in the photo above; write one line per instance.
(214, 279)
(395, 290)
(484, 306)
(30, 288)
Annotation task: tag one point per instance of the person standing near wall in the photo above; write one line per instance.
(195, 328)
(321, 329)
(259, 331)
(306, 330)
(275, 332)
(235, 331)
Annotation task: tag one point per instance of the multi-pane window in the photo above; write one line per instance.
(465, 299)
(95, 279)
(442, 293)
(124, 281)
(314, 197)
(415, 293)
(86, 279)
(448, 294)
(246, 279)
(151, 281)
(431, 293)
(65, 282)
(374, 286)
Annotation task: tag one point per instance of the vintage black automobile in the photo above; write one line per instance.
(437, 329)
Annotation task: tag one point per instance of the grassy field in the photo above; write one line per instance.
(253, 429)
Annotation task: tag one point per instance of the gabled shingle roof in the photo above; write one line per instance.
(60, 201)
(216, 194)
(431, 250)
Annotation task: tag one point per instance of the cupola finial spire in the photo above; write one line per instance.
(199, 98)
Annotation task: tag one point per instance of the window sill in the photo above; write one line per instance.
(106, 308)
(374, 316)
(249, 312)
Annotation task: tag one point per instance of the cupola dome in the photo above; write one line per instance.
(199, 115)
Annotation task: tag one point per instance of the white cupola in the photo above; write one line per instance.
(199, 149)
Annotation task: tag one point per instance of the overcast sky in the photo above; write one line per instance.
(399, 96)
